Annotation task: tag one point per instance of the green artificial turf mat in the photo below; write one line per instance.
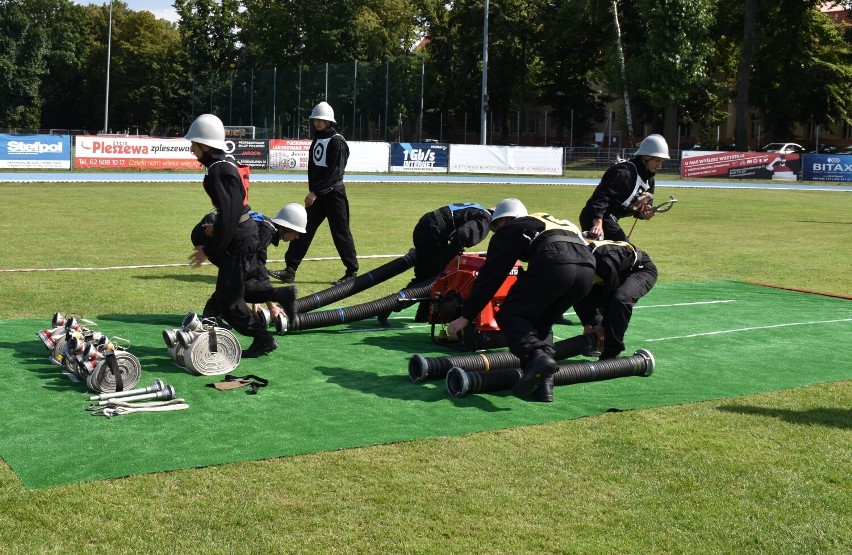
(348, 386)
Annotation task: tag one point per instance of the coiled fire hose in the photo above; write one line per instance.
(89, 355)
(461, 383)
(395, 301)
(202, 348)
(360, 283)
(421, 369)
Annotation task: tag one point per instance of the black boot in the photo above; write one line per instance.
(422, 314)
(287, 275)
(348, 276)
(286, 297)
(538, 366)
(261, 345)
(382, 317)
(544, 393)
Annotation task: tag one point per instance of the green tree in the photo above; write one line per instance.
(66, 29)
(572, 57)
(24, 46)
(148, 82)
(668, 46)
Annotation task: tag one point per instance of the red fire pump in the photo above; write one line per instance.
(450, 290)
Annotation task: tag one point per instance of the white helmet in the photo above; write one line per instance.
(207, 129)
(292, 216)
(654, 145)
(323, 111)
(508, 208)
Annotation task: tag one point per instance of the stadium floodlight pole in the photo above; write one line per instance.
(484, 109)
(109, 56)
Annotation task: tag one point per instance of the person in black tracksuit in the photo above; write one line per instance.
(258, 288)
(625, 275)
(438, 237)
(560, 271)
(326, 198)
(233, 243)
(626, 189)
(443, 233)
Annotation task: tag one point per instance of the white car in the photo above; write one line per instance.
(784, 148)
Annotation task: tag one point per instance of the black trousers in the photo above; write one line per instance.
(434, 249)
(538, 298)
(614, 311)
(234, 269)
(333, 206)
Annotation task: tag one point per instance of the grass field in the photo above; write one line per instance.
(759, 474)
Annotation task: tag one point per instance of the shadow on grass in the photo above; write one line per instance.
(828, 417)
(401, 387)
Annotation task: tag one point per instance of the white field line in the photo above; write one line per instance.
(753, 328)
(22, 270)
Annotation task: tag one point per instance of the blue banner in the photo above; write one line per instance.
(827, 167)
(35, 151)
(420, 157)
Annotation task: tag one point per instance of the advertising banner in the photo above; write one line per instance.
(530, 160)
(420, 157)
(827, 167)
(98, 151)
(35, 151)
(368, 157)
(251, 152)
(740, 165)
(289, 154)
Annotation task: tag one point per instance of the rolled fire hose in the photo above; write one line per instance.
(360, 283)
(102, 378)
(201, 348)
(461, 383)
(421, 369)
(211, 353)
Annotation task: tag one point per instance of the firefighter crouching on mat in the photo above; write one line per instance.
(626, 189)
(286, 226)
(560, 271)
(439, 236)
(624, 274)
(233, 245)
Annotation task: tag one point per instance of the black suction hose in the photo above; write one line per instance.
(421, 369)
(325, 318)
(461, 383)
(360, 283)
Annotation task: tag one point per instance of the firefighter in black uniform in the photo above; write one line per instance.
(624, 275)
(326, 198)
(438, 237)
(286, 226)
(626, 189)
(443, 233)
(233, 244)
(560, 271)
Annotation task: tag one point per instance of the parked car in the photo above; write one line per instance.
(845, 150)
(783, 148)
(691, 146)
(826, 149)
(728, 146)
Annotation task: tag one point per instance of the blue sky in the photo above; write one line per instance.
(160, 8)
